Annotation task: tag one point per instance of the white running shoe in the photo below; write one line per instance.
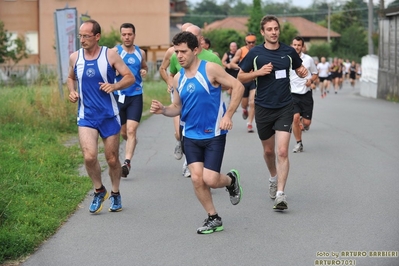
(178, 150)
(298, 148)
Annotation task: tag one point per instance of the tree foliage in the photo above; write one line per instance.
(393, 4)
(110, 39)
(320, 50)
(206, 11)
(221, 39)
(254, 20)
(11, 50)
(288, 33)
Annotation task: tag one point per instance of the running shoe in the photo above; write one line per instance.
(249, 128)
(235, 190)
(244, 114)
(298, 148)
(116, 203)
(125, 169)
(210, 226)
(178, 150)
(186, 171)
(97, 204)
(272, 189)
(280, 203)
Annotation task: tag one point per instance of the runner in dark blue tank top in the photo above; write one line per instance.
(197, 98)
(92, 71)
(270, 64)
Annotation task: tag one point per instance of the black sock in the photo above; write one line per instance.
(114, 193)
(299, 141)
(127, 161)
(213, 217)
(101, 189)
(233, 179)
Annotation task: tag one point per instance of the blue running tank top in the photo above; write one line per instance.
(133, 61)
(95, 104)
(202, 105)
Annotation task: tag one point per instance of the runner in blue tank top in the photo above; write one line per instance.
(270, 64)
(197, 98)
(130, 100)
(92, 69)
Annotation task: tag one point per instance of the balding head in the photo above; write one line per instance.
(185, 26)
(194, 29)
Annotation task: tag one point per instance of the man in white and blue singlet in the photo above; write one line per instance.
(270, 64)
(130, 100)
(198, 100)
(92, 69)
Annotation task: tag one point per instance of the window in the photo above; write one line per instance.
(32, 42)
(11, 45)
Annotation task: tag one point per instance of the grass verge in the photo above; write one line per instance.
(40, 186)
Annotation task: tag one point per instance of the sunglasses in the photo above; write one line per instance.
(250, 42)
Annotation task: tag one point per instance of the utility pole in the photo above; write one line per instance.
(329, 22)
(370, 31)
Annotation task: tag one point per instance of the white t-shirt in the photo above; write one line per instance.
(298, 84)
(323, 69)
(347, 67)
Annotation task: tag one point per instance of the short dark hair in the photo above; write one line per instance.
(208, 42)
(186, 37)
(299, 38)
(128, 26)
(96, 26)
(269, 18)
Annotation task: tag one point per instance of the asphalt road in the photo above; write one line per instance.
(342, 196)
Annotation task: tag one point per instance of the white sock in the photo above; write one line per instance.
(273, 179)
(279, 193)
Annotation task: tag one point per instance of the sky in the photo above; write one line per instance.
(299, 3)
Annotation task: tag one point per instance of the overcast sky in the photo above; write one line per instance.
(300, 3)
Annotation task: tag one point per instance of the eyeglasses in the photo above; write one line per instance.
(84, 36)
(250, 42)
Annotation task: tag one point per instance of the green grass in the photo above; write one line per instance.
(40, 186)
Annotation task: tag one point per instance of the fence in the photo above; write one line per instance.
(30, 74)
(26, 74)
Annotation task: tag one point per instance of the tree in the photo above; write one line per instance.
(254, 20)
(288, 33)
(393, 4)
(221, 39)
(110, 39)
(206, 11)
(320, 50)
(347, 47)
(11, 50)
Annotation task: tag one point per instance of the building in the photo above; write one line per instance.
(34, 20)
(309, 31)
(388, 63)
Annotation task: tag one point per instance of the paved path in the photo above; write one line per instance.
(342, 195)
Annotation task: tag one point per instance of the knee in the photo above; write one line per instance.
(269, 152)
(282, 153)
(197, 180)
(90, 159)
(131, 132)
(306, 122)
(211, 182)
(113, 161)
